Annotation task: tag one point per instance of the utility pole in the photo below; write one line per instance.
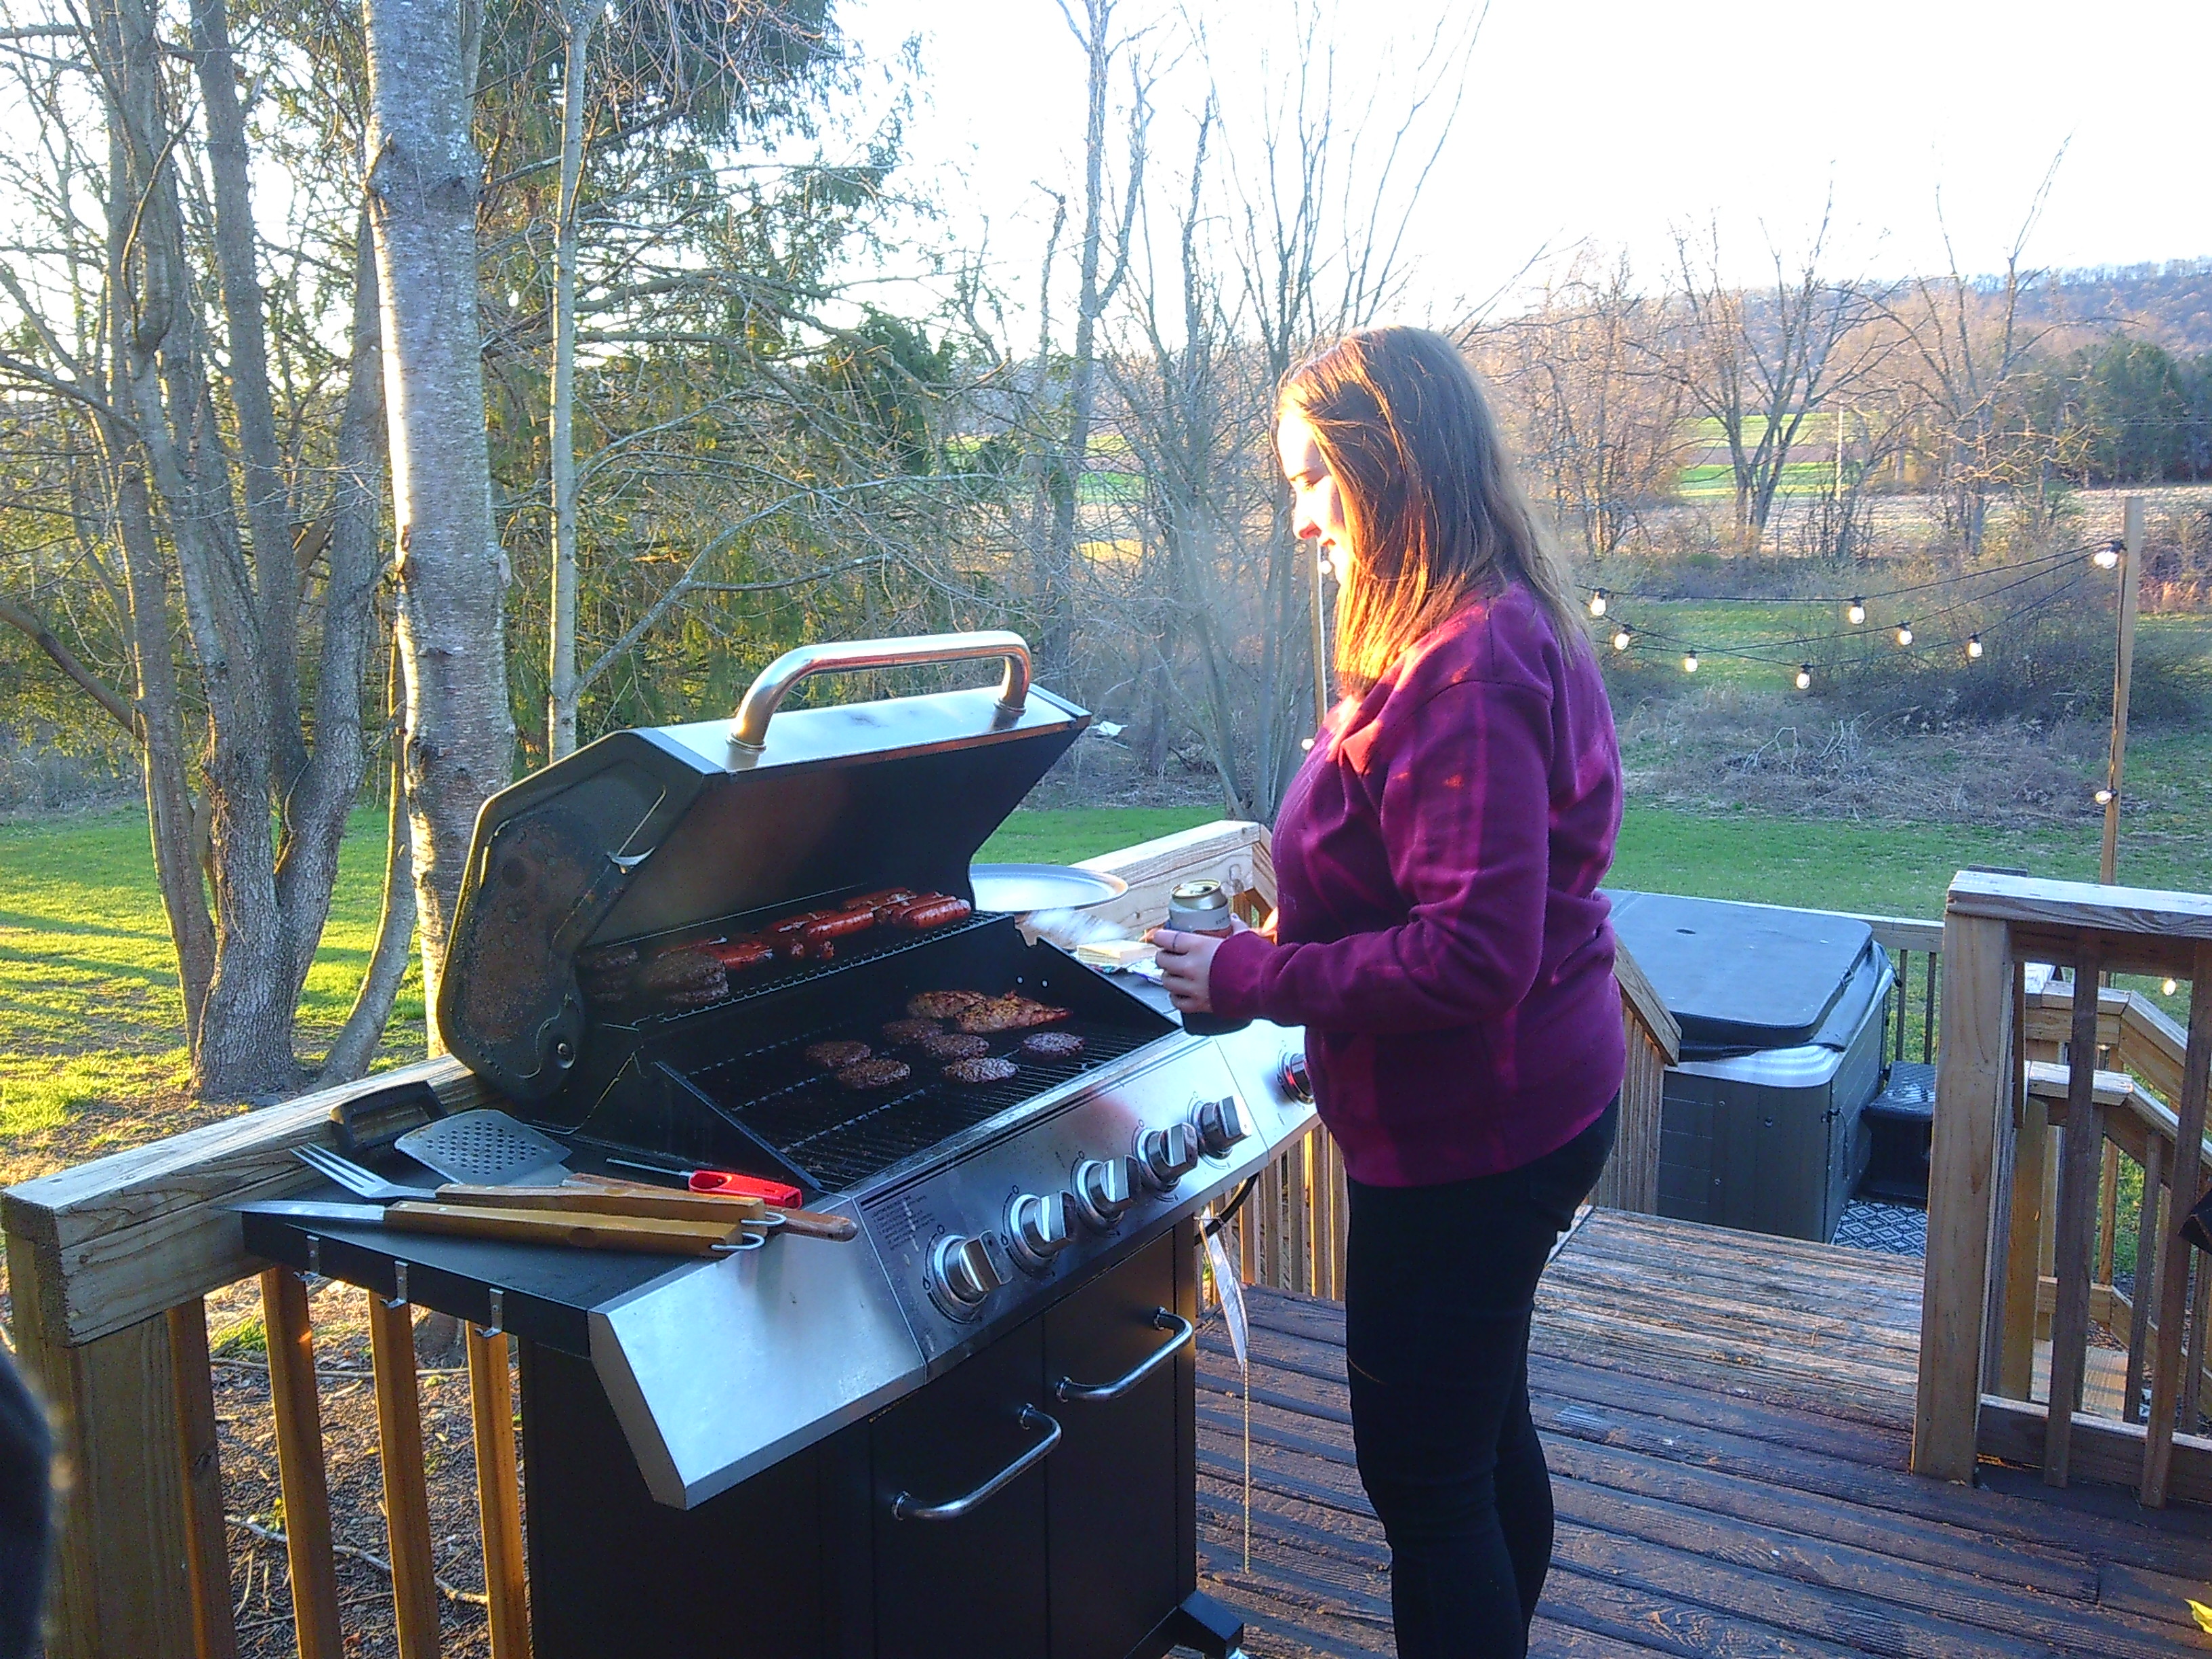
(2124, 666)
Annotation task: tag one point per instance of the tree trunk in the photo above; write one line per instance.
(268, 516)
(577, 20)
(355, 1045)
(423, 175)
(244, 1047)
(322, 796)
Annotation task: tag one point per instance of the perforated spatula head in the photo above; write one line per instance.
(486, 1148)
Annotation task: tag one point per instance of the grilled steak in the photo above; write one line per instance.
(987, 1069)
(836, 1056)
(942, 1004)
(1009, 1013)
(882, 1073)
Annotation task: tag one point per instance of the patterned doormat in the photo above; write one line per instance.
(1868, 1224)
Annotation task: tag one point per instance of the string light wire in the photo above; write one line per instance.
(1753, 654)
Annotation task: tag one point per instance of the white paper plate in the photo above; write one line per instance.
(1022, 887)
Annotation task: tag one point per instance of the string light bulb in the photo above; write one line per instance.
(1905, 634)
(1326, 568)
(2108, 557)
(1597, 602)
(1804, 677)
(2104, 798)
(1622, 637)
(1855, 613)
(1689, 662)
(2169, 987)
(1973, 647)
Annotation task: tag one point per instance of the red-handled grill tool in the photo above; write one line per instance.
(727, 1182)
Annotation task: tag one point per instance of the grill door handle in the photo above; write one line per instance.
(904, 1508)
(748, 730)
(1069, 1388)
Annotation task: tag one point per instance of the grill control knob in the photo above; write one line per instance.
(1103, 1191)
(1166, 1156)
(964, 1270)
(1220, 1125)
(1296, 1081)
(1037, 1230)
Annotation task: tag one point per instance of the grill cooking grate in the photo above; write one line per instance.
(778, 977)
(841, 1139)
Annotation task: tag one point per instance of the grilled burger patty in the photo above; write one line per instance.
(836, 1056)
(986, 1069)
(953, 1045)
(1052, 1045)
(899, 1032)
(881, 1073)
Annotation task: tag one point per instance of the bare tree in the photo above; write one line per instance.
(1757, 363)
(422, 173)
(246, 859)
(1971, 345)
(1600, 424)
(1102, 262)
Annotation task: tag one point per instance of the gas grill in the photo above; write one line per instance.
(971, 1430)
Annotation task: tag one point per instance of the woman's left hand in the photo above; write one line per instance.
(1187, 966)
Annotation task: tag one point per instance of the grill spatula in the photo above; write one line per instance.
(486, 1148)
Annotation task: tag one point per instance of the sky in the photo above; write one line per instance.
(1615, 124)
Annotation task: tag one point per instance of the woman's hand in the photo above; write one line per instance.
(1186, 965)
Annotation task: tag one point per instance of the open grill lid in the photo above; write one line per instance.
(648, 832)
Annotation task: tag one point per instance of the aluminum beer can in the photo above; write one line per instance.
(1202, 906)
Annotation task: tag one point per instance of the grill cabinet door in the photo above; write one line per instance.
(1112, 1486)
(964, 1589)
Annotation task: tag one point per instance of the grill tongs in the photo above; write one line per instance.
(584, 1212)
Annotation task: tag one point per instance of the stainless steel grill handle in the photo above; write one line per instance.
(904, 1508)
(748, 730)
(1069, 1388)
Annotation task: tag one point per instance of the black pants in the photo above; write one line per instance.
(1439, 1283)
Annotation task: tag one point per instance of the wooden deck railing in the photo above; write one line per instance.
(2043, 1101)
(110, 1264)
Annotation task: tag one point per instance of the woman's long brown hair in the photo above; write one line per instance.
(1437, 513)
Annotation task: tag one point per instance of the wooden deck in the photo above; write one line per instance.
(1727, 1418)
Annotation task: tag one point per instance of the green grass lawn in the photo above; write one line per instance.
(89, 1017)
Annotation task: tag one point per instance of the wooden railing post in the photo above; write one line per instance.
(1973, 1101)
(2172, 1288)
(499, 1493)
(119, 1582)
(2082, 1147)
(406, 1495)
(207, 1541)
(298, 1408)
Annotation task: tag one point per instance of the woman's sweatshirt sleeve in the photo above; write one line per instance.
(1466, 820)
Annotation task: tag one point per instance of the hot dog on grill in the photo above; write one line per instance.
(838, 924)
(739, 954)
(930, 911)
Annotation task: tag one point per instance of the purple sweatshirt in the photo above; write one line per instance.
(1442, 937)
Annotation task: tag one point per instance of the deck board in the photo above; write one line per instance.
(1728, 1420)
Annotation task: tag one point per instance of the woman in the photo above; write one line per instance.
(1441, 936)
